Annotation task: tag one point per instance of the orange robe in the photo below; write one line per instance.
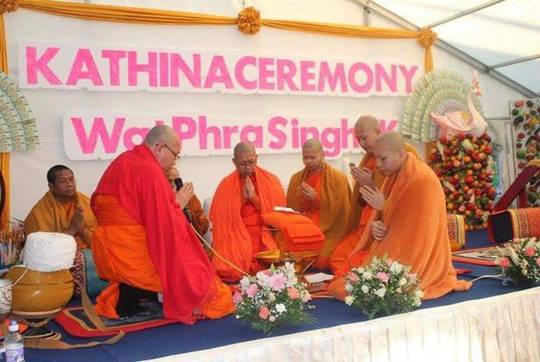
(342, 258)
(53, 216)
(332, 214)
(198, 218)
(144, 240)
(237, 228)
(415, 215)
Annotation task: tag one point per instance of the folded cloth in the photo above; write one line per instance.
(514, 223)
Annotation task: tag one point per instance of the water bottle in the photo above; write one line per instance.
(14, 344)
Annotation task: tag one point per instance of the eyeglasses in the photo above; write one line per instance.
(176, 155)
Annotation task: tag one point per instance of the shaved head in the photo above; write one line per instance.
(312, 155)
(366, 131)
(164, 144)
(245, 159)
(161, 134)
(367, 123)
(392, 140)
(390, 153)
(313, 144)
(244, 147)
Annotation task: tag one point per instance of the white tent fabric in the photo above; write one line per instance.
(503, 31)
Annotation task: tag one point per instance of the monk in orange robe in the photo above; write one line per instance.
(366, 129)
(63, 209)
(193, 210)
(409, 220)
(323, 194)
(238, 231)
(143, 243)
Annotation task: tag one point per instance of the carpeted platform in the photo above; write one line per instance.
(177, 338)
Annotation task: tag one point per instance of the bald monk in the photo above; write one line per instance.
(193, 210)
(143, 243)
(237, 229)
(366, 130)
(323, 194)
(63, 209)
(409, 220)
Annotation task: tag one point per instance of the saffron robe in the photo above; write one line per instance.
(143, 239)
(415, 216)
(342, 258)
(50, 215)
(237, 228)
(332, 214)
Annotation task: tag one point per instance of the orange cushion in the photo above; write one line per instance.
(281, 220)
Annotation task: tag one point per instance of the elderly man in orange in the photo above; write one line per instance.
(237, 228)
(408, 223)
(366, 130)
(63, 209)
(323, 194)
(143, 242)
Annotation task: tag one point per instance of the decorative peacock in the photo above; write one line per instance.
(443, 104)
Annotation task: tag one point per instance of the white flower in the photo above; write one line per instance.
(396, 267)
(348, 287)
(262, 278)
(280, 308)
(271, 318)
(271, 297)
(399, 290)
(402, 281)
(381, 292)
(365, 289)
(244, 283)
(349, 300)
(361, 270)
(418, 293)
(417, 302)
(367, 275)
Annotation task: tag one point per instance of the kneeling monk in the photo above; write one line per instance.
(409, 220)
(143, 242)
(323, 194)
(237, 228)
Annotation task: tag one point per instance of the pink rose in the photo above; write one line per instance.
(252, 290)
(264, 312)
(237, 298)
(277, 281)
(353, 278)
(504, 262)
(538, 261)
(383, 277)
(293, 293)
(529, 251)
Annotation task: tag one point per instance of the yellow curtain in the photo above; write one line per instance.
(123, 14)
(4, 156)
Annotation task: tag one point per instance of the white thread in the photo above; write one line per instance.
(48, 252)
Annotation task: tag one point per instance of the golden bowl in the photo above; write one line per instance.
(39, 293)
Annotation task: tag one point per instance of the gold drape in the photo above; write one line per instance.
(123, 14)
(4, 156)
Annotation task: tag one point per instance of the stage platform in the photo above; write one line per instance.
(491, 322)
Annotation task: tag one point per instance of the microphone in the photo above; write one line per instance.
(178, 183)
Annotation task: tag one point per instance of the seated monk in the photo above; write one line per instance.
(193, 211)
(63, 209)
(240, 200)
(366, 130)
(409, 221)
(143, 243)
(323, 194)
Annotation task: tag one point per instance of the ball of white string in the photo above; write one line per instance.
(48, 252)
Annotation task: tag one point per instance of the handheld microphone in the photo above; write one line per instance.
(178, 183)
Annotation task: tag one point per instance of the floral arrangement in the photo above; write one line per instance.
(272, 298)
(519, 260)
(382, 288)
(465, 168)
(526, 131)
(11, 244)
